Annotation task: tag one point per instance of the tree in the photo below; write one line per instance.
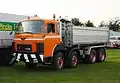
(89, 24)
(102, 24)
(76, 22)
(114, 24)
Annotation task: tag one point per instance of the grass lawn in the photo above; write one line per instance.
(106, 72)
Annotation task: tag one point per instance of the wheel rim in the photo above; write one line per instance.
(74, 60)
(93, 56)
(60, 62)
(102, 56)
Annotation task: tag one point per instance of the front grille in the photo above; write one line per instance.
(24, 47)
(40, 47)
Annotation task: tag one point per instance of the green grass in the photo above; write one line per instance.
(106, 72)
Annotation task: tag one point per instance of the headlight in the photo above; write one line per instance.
(27, 49)
(114, 43)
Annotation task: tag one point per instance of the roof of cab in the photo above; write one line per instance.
(37, 18)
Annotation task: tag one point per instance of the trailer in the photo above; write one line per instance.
(8, 27)
(58, 43)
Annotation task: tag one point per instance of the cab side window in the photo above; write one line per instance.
(51, 28)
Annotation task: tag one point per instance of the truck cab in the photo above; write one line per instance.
(37, 38)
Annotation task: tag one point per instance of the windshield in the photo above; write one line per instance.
(30, 26)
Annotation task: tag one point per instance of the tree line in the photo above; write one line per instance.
(76, 22)
(113, 24)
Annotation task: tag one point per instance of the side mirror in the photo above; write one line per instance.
(11, 33)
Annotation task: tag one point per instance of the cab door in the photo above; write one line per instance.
(51, 39)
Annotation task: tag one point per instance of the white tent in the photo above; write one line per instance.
(11, 17)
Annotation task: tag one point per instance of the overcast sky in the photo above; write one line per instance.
(95, 10)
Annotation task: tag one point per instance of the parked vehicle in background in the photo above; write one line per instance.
(114, 42)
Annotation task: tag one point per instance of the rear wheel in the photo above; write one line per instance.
(91, 58)
(58, 61)
(101, 55)
(73, 59)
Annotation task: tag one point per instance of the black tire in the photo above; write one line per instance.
(58, 61)
(30, 65)
(90, 59)
(101, 55)
(73, 60)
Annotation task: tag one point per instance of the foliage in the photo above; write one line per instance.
(89, 24)
(76, 22)
(114, 25)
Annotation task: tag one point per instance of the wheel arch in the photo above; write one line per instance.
(58, 48)
(87, 50)
(74, 49)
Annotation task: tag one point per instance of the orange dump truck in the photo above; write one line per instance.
(58, 43)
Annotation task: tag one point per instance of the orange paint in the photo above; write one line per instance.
(49, 40)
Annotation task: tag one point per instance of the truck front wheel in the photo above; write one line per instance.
(73, 59)
(58, 61)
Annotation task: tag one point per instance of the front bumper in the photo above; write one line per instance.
(32, 58)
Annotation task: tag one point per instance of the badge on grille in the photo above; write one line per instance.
(23, 38)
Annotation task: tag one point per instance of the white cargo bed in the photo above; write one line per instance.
(90, 35)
